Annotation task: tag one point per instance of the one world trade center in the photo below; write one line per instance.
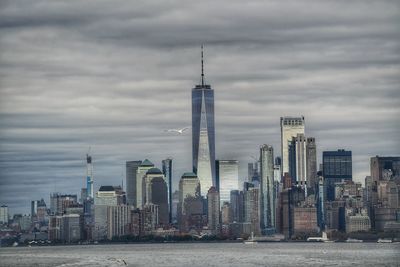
(203, 133)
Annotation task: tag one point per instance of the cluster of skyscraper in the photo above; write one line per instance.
(285, 194)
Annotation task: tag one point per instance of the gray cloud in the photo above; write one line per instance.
(113, 75)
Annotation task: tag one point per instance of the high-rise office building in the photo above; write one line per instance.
(118, 221)
(38, 210)
(237, 205)
(59, 202)
(226, 213)
(189, 186)
(167, 171)
(290, 127)
(337, 166)
(267, 188)
(203, 133)
(320, 204)
(146, 184)
(140, 173)
(106, 196)
(228, 174)
(4, 214)
(384, 168)
(175, 204)
(190, 200)
(311, 156)
(213, 210)
(159, 196)
(277, 169)
(72, 228)
(34, 206)
(89, 176)
(298, 159)
(131, 183)
(250, 171)
(252, 207)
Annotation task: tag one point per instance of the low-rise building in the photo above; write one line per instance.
(358, 223)
(305, 220)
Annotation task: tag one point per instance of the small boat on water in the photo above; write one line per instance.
(353, 240)
(324, 239)
(251, 240)
(384, 240)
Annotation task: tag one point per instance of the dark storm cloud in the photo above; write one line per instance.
(113, 75)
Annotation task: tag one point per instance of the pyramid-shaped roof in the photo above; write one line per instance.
(147, 163)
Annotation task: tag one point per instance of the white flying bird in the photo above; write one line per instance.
(179, 131)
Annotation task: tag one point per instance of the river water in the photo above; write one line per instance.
(206, 254)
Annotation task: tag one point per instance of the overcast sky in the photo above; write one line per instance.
(113, 75)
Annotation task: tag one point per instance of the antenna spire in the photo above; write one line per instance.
(202, 67)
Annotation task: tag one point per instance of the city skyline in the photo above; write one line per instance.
(124, 92)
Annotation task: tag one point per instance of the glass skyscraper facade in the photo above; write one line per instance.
(167, 171)
(228, 176)
(268, 207)
(203, 134)
(131, 190)
(337, 166)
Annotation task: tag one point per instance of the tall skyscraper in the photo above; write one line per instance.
(167, 171)
(131, 169)
(277, 169)
(89, 176)
(298, 159)
(159, 196)
(203, 133)
(34, 206)
(252, 207)
(268, 207)
(290, 127)
(237, 205)
(106, 196)
(146, 185)
(311, 148)
(250, 171)
(213, 210)
(190, 200)
(4, 214)
(228, 174)
(320, 204)
(337, 166)
(140, 173)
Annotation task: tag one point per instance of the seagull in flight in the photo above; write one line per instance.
(179, 131)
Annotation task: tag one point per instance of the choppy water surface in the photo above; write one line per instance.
(203, 254)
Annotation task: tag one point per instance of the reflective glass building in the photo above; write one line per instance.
(203, 134)
(167, 171)
(337, 166)
(228, 177)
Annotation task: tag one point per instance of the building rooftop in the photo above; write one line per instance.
(146, 163)
(154, 171)
(189, 175)
(105, 188)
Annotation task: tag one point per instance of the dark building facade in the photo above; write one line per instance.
(337, 166)
(159, 196)
(311, 152)
(167, 171)
(237, 205)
